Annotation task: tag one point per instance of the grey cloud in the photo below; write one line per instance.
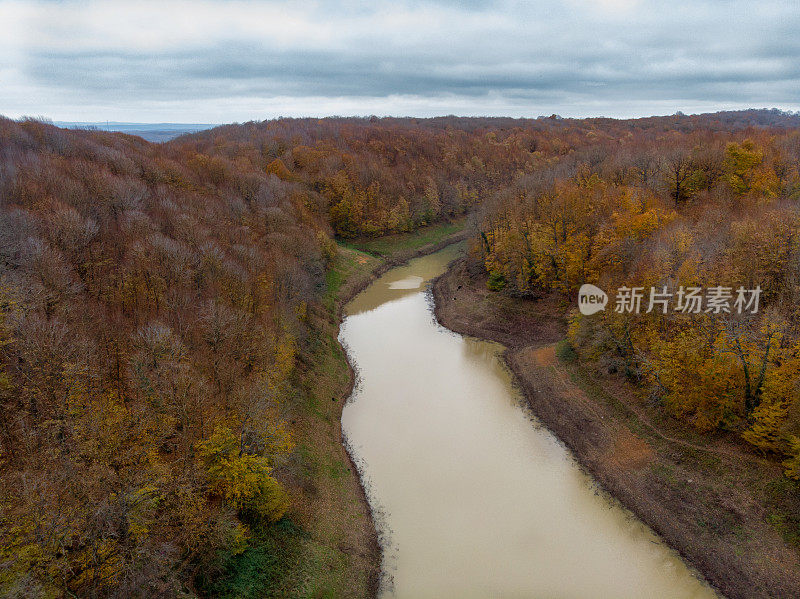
(694, 52)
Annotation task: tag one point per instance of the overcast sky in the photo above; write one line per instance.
(229, 60)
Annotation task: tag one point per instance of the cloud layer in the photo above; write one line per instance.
(227, 60)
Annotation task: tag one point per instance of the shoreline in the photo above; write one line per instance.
(334, 549)
(350, 289)
(688, 496)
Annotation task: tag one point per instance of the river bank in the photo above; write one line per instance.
(335, 551)
(722, 508)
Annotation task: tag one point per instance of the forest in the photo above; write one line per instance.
(159, 303)
(699, 210)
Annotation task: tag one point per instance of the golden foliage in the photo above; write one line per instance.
(241, 479)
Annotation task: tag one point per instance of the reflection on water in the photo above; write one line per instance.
(412, 282)
(476, 500)
(403, 280)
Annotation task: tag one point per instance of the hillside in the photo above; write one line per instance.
(166, 311)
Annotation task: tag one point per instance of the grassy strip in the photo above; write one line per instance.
(390, 245)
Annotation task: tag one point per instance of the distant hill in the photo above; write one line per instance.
(153, 132)
(729, 120)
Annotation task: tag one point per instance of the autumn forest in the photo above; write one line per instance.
(162, 308)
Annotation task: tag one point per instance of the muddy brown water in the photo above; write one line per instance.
(473, 497)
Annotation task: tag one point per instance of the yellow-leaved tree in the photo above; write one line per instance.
(792, 465)
(702, 383)
(242, 480)
(780, 392)
(745, 172)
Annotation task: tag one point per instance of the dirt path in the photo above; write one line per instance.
(546, 356)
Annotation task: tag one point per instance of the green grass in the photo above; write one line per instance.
(590, 385)
(273, 553)
(348, 262)
(783, 501)
(337, 469)
(665, 472)
(308, 460)
(390, 244)
(565, 353)
(283, 561)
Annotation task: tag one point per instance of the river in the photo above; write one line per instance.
(473, 497)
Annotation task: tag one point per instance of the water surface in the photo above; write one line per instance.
(475, 498)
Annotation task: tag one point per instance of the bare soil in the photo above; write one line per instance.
(710, 498)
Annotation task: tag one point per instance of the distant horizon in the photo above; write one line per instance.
(423, 114)
(118, 123)
(159, 132)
